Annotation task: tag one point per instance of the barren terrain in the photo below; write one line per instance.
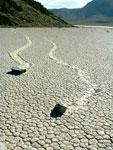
(73, 66)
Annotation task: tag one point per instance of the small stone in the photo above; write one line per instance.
(59, 109)
(18, 71)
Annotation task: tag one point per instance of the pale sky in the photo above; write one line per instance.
(64, 3)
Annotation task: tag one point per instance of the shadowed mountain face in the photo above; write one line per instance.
(95, 12)
(27, 13)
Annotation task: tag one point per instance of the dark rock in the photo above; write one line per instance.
(59, 109)
(18, 70)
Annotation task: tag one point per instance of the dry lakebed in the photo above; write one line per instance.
(69, 66)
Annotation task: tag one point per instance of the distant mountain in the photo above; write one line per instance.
(96, 12)
(27, 13)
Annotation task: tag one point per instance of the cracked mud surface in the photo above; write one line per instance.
(26, 101)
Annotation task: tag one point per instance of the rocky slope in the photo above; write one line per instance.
(27, 13)
(98, 12)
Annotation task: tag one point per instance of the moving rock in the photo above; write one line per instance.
(18, 70)
(59, 109)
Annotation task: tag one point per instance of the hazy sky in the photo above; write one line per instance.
(64, 3)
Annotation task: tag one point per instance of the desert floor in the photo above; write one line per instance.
(71, 66)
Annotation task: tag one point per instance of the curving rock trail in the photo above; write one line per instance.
(15, 55)
(81, 102)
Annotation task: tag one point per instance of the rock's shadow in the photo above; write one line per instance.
(15, 73)
(55, 114)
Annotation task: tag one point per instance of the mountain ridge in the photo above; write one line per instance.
(96, 12)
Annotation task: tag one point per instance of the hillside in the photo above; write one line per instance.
(27, 13)
(96, 12)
